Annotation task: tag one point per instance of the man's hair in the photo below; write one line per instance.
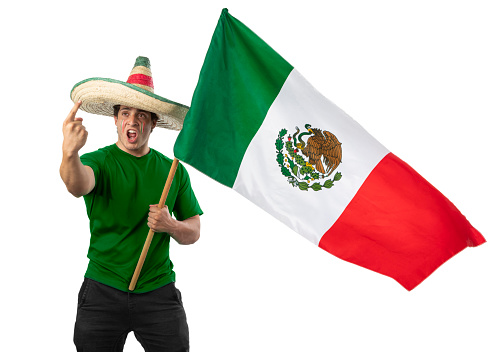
(154, 116)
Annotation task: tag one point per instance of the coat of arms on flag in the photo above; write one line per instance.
(322, 150)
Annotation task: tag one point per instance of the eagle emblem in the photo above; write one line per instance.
(323, 153)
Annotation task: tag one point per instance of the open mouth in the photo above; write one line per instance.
(132, 135)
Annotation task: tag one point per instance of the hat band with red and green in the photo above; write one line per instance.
(141, 74)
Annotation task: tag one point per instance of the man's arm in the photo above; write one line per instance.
(187, 231)
(78, 178)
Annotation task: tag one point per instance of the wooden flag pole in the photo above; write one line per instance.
(144, 252)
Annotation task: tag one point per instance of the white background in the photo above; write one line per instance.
(415, 74)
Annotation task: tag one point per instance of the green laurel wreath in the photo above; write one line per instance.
(293, 165)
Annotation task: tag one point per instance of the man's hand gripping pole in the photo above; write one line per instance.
(144, 252)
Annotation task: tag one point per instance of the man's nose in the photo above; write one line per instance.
(132, 119)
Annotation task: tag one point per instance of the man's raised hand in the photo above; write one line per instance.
(78, 178)
(74, 133)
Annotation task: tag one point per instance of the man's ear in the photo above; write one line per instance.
(115, 120)
(153, 124)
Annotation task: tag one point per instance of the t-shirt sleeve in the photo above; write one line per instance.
(94, 160)
(186, 204)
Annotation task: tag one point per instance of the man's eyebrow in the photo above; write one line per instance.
(138, 111)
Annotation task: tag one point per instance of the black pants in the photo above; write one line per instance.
(106, 315)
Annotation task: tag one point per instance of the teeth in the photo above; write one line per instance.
(132, 131)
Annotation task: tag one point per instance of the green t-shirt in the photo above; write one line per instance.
(118, 207)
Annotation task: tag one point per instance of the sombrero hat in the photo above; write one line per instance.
(99, 95)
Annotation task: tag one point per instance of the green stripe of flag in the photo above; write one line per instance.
(239, 80)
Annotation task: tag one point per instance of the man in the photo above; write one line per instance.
(121, 184)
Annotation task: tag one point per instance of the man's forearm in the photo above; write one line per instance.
(187, 231)
(78, 178)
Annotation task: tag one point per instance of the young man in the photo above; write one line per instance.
(121, 184)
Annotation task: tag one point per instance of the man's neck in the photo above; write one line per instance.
(142, 151)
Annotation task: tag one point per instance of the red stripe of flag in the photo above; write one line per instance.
(399, 225)
(139, 78)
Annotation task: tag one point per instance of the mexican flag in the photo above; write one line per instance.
(257, 126)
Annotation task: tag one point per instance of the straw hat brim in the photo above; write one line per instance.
(99, 95)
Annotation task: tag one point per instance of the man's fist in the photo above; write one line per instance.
(160, 220)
